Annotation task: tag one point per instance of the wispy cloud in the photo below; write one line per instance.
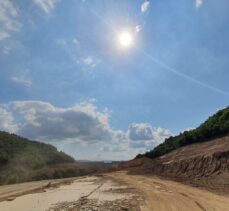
(75, 41)
(45, 5)
(22, 80)
(61, 41)
(89, 61)
(6, 50)
(198, 3)
(3, 35)
(8, 19)
(184, 76)
(138, 28)
(145, 6)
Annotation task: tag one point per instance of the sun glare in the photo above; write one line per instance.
(125, 39)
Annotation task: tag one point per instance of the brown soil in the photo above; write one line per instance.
(203, 165)
(165, 195)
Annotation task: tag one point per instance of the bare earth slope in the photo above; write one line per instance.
(205, 165)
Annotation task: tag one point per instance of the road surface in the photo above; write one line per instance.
(111, 191)
(164, 195)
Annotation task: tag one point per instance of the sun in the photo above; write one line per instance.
(125, 39)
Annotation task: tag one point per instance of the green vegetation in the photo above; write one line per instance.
(216, 126)
(20, 158)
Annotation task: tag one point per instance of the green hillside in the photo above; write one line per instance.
(215, 126)
(20, 158)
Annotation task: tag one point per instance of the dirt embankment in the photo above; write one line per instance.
(205, 165)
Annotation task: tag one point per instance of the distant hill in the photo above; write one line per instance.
(215, 126)
(23, 160)
(20, 158)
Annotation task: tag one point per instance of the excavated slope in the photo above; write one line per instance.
(205, 165)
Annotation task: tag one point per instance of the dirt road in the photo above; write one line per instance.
(164, 195)
(113, 191)
(10, 191)
(86, 193)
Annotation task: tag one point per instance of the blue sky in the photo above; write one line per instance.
(66, 80)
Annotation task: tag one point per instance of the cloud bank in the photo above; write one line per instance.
(79, 124)
(43, 121)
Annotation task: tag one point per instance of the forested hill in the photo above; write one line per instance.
(19, 157)
(215, 126)
(14, 148)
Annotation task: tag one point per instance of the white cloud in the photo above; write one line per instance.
(7, 121)
(4, 35)
(139, 138)
(140, 131)
(23, 80)
(143, 135)
(188, 129)
(138, 28)
(198, 3)
(45, 5)
(79, 124)
(8, 19)
(89, 61)
(6, 50)
(145, 6)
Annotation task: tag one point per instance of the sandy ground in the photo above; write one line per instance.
(113, 191)
(11, 191)
(87, 193)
